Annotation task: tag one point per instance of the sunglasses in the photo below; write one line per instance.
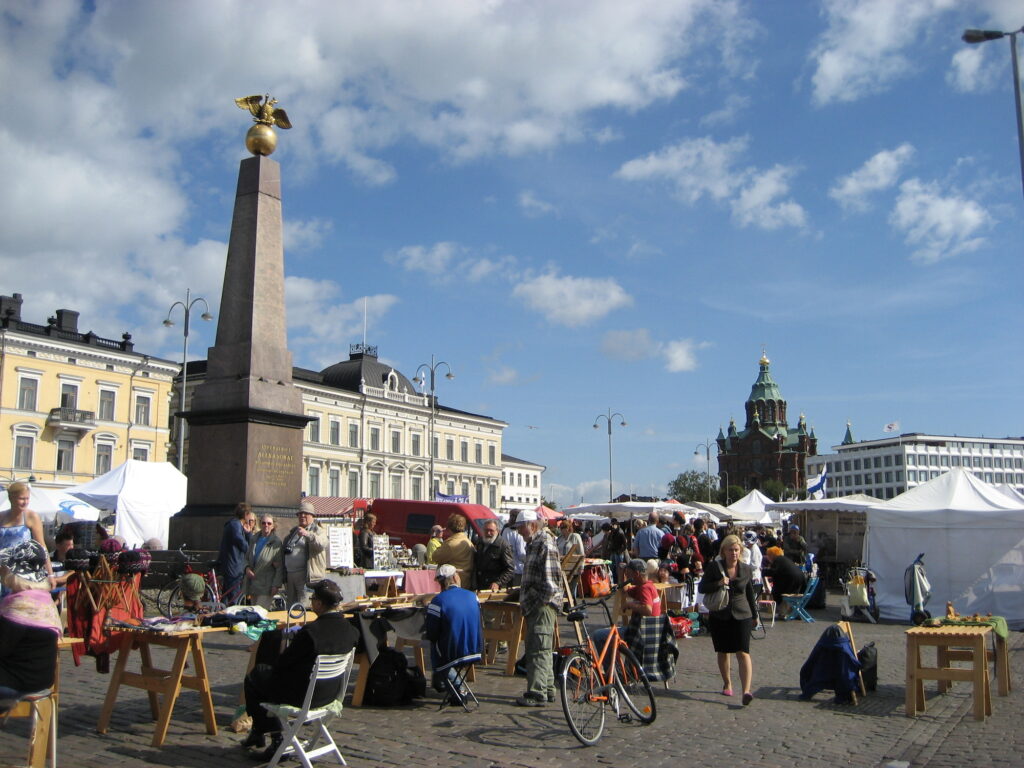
(266, 523)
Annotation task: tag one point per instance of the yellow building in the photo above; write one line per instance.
(74, 405)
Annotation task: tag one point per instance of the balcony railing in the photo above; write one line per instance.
(71, 418)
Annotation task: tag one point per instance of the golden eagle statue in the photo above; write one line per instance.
(262, 110)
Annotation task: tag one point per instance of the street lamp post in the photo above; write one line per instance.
(723, 472)
(609, 417)
(983, 36)
(421, 379)
(707, 456)
(186, 307)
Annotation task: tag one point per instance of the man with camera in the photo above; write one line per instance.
(305, 555)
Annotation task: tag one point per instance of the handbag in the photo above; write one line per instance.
(718, 600)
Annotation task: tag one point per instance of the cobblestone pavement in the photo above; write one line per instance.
(695, 723)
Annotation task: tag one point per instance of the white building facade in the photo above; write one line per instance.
(887, 467)
(521, 483)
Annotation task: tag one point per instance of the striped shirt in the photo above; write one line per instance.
(542, 574)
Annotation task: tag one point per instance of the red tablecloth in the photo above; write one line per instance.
(419, 582)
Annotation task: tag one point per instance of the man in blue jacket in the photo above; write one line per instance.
(452, 626)
(234, 543)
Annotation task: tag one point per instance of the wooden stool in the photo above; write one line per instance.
(970, 645)
(43, 738)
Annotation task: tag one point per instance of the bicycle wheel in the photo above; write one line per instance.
(634, 687)
(172, 604)
(584, 710)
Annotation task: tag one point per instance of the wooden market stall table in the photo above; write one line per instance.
(619, 609)
(168, 683)
(957, 641)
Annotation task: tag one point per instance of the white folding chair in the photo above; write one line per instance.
(294, 719)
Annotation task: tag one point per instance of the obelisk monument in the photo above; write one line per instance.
(246, 419)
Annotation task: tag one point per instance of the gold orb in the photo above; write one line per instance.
(261, 139)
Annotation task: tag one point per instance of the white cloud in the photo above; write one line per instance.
(641, 249)
(881, 171)
(434, 260)
(863, 49)
(629, 345)
(729, 111)
(572, 301)
(681, 355)
(939, 226)
(533, 206)
(503, 376)
(696, 167)
(757, 203)
(972, 70)
(305, 234)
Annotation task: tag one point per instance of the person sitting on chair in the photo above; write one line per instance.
(286, 680)
(786, 576)
(452, 626)
(642, 598)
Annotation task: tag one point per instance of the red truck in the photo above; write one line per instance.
(411, 521)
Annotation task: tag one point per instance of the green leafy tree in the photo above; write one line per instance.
(733, 494)
(691, 486)
(549, 504)
(773, 489)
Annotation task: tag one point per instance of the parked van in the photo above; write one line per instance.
(411, 521)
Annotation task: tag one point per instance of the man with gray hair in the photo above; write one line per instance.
(452, 626)
(540, 599)
(648, 539)
(305, 555)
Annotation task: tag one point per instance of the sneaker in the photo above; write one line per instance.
(530, 700)
(551, 696)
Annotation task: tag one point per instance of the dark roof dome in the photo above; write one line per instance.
(363, 366)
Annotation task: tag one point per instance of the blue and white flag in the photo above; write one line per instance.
(817, 485)
(892, 426)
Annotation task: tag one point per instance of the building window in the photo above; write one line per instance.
(353, 435)
(857, 480)
(479, 457)
(491, 497)
(877, 461)
(353, 483)
(416, 444)
(314, 480)
(23, 448)
(434, 448)
(479, 497)
(334, 481)
(846, 465)
(335, 433)
(28, 390)
(898, 460)
(106, 405)
(888, 477)
(491, 457)
(888, 461)
(65, 455)
(140, 452)
(396, 445)
(450, 488)
(375, 485)
(314, 434)
(464, 451)
(104, 458)
(142, 405)
(396, 486)
(912, 475)
(856, 463)
(944, 460)
(417, 489)
(954, 460)
(449, 449)
(535, 479)
(465, 490)
(68, 395)
(375, 440)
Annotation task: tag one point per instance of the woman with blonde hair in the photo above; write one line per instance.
(730, 626)
(20, 524)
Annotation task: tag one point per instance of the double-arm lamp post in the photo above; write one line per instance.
(609, 417)
(186, 307)
(707, 457)
(420, 380)
(983, 36)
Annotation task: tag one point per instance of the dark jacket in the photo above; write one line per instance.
(330, 633)
(832, 666)
(493, 564)
(787, 578)
(234, 543)
(742, 602)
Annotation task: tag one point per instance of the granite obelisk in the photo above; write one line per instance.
(246, 419)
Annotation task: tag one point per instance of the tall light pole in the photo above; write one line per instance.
(707, 457)
(421, 379)
(186, 307)
(723, 472)
(983, 36)
(609, 417)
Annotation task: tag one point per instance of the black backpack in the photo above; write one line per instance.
(391, 681)
(868, 658)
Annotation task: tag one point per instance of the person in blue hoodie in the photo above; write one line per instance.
(452, 626)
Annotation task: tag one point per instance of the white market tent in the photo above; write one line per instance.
(752, 509)
(144, 494)
(715, 513)
(832, 527)
(972, 537)
(631, 510)
(55, 507)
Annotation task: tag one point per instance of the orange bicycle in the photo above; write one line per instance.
(589, 681)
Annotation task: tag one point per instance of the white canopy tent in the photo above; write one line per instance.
(972, 537)
(833, 528)
(631, 510)
(752, 509)
(55, 507)
(715, 513)
(144, 494)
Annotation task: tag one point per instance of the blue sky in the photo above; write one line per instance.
(578, 205)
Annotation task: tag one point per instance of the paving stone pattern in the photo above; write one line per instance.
(696, 725)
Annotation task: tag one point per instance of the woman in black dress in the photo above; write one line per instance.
(730, 627)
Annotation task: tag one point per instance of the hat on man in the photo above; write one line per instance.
(306, 508)
(795, 528)
(527, 516)
(749, 537)
(638, 565)
(446, 571)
